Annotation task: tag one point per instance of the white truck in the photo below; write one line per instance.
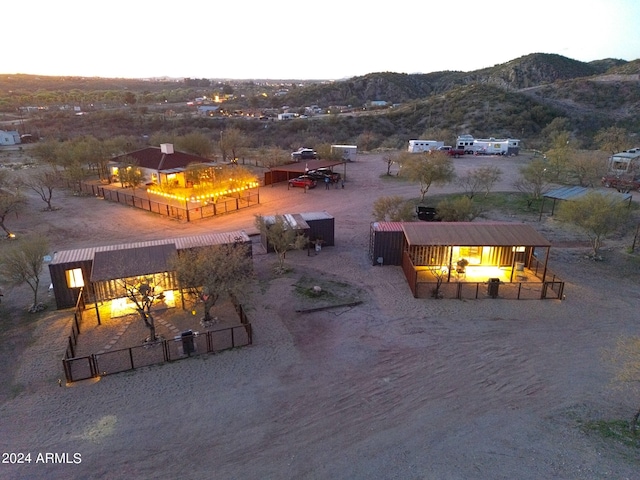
(419, 146)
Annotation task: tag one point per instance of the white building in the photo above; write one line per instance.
(11, 137)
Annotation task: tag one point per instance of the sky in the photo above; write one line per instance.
(290, 39)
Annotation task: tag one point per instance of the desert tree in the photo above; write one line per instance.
(232, 140)
(281, 237)
(129, 173)
(273, 157)
(533, 180)
(597, 215)
(367, 140)
(389, 159)
(624, 360)
(43, 182)
(479, 179)
(612, 139)
(434, 168)
(214, 271)
(11, 201)
(143, 291)
(586, 167)
(461, 209)
(195, 143)
(47, 152)
(21, 262)
(393, 209)
(558, 156)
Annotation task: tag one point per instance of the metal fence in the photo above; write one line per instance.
(187, 212)
(75, 326)
(506, 290)
(181, 346)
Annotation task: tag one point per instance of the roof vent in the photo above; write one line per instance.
(166, 148)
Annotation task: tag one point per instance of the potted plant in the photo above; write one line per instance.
(461, 265)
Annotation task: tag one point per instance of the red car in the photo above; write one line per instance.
(304, 181)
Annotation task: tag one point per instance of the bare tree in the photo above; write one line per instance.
(211, 272)
(281, 236)
(389, 159)
(43, 182)
(11, 201)
(22, 263)
(143, 292)
(479, 179)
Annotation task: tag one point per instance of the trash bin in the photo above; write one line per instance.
(494, 284)
(187, 342)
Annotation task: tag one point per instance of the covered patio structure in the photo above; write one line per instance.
(574, 192)
(492, 253)
(283, 173)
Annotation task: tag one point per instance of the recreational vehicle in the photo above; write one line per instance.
(418, 146)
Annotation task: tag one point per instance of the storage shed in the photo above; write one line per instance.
(293, 221)
(321, 227)
(386, 241)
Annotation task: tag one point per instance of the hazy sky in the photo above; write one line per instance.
(293, 39)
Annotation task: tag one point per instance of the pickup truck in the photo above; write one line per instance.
(454, 152)
(623, 184)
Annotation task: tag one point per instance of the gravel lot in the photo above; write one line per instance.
(395, 387)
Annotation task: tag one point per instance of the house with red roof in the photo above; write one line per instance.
(160, 166)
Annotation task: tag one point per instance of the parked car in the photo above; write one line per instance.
(304, 153)
(304, 181)
(427, 214)
(621, 183)
(320, 174)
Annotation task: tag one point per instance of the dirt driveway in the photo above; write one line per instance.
(393, 388)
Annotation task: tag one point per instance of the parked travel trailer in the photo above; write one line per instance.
(348, 152)
(287, 116)
(488, 146)
(418, 146)
(625, 162)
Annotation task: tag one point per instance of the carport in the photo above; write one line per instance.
(283, 173)
(573, 193)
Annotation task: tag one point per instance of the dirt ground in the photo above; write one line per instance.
(394, 387)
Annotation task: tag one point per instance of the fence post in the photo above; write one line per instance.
(73, 353)
(131, 358)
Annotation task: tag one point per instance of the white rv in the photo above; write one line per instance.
(418, 146)
(347, 152)
(287, 116)
(488, 146)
